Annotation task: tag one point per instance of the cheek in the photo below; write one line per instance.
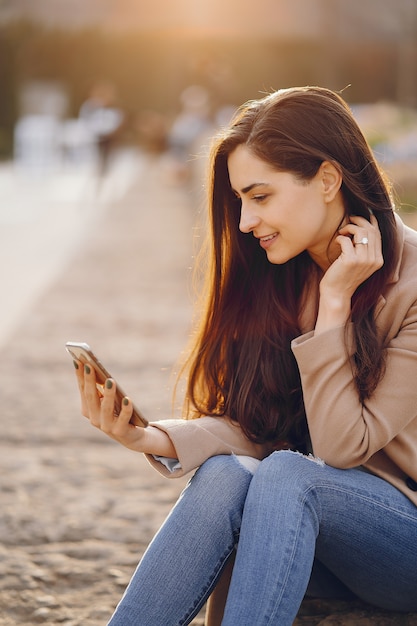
(311, 212)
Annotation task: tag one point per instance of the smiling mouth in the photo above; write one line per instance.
(268, 237)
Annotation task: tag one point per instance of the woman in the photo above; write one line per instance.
(302, 376)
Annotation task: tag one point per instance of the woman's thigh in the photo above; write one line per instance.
(368, 539)
(186, 557)
(366, 528)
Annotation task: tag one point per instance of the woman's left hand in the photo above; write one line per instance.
(360, 257)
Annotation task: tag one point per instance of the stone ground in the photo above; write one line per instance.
(76, 509)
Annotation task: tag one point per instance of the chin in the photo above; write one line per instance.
(278, 259)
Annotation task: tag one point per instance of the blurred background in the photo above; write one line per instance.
(89, 89)
(118, 70)
(141, 54)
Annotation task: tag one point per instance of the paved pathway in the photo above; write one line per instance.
(44, 218)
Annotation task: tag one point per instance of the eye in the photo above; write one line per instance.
(260, 198)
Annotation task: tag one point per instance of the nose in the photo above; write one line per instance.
(248, 219)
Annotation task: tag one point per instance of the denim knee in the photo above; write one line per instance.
(224, 470)
(220, 485)
(290, 470)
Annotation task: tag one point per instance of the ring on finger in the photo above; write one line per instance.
(364, 242)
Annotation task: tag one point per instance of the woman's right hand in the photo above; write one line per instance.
(100, 410)
(355, 264)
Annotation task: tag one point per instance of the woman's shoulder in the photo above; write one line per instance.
(400, 294)
(407, 269)
(410, 234)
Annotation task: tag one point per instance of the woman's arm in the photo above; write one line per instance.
(198, 439)
(190, 441)
(345, 432)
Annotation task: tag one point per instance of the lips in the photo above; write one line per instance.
(268, 237)
(267, 241)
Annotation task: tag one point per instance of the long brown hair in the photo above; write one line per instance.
(241, 364)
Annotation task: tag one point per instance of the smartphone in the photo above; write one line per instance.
(82, 352)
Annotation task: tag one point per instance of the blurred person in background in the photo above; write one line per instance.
(105, 120)
(186, 132)
(301, 383)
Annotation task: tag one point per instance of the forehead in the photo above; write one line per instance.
(246, 168)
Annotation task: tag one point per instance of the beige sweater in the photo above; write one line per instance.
(381, 434)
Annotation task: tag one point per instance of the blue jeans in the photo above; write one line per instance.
(297, 523)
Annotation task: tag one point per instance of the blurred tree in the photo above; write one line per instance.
(407, 55)
(8, 99)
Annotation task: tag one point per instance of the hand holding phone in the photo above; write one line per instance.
(82, 352)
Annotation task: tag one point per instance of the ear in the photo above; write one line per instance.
(331, 180)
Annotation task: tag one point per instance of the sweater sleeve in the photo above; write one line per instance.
(199, 439)
(345, 432)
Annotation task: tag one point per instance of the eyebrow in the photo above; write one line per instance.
(252, 186)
